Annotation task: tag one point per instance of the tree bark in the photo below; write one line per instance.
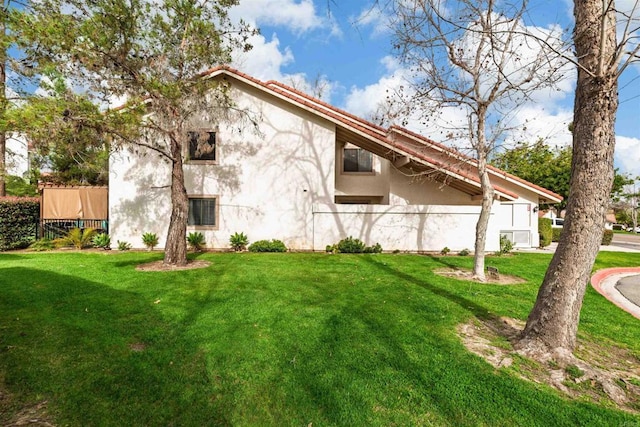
(3, 107)
(483, 220)
(553, 323)
(176, 243)
(481, 149)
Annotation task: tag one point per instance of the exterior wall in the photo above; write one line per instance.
(281, 183)
(421, 190)
(406, 228)
(374, 184)
(519, 219)
(265, 183)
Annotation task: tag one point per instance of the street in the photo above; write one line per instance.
(627, 240)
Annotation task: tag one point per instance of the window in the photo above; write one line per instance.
(202, 211)
(202, 145)
(357, 160)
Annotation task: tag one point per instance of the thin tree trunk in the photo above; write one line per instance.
(553, 323)
(176, 244)
(483, 220)
(3, 106)
(487, 197)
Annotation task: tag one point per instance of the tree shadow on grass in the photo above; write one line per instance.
(376, 362)
(98, 355)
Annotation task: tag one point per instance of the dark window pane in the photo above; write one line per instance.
(365, 161)
(351, 160)
(202, 212)
(357, 160)
(202, 145)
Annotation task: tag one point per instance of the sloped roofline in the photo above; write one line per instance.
(381, 136)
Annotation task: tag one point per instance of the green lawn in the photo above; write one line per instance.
(276, 339)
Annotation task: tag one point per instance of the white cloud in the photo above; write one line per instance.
(375, 17)
(627, 155)
(296, 16)
(265, 60)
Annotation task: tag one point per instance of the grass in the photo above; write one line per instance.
(276, 339)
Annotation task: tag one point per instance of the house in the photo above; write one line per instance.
(315, 174)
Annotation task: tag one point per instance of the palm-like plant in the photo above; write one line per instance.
(196, 241)
(78, 238)
(150, 240)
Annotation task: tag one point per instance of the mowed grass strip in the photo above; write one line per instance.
(276, 339)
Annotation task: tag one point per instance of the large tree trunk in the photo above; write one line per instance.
(553, 323)
(176, 245)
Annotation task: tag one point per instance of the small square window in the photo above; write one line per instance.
(202, 145)
(202, 211)
(357, 160)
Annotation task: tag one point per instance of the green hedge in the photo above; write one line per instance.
(545, 231)
(18, 221)
(607, 236)
(556, 234)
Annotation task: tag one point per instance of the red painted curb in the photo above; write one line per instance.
(601, 275)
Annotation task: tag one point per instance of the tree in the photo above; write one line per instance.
(68, 132)
(540, 164)
(547, 167)
(9, 33)
(473, 55)
(553, 322)
(152, 53)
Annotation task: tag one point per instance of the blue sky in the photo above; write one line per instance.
(346, 45)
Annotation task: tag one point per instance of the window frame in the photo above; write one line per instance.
(216, 211)
(187, 148)
(349, 146)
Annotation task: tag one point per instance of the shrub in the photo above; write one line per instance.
(102, 240)
(545, 231)
(607, 236)
(238, 241)
(464, 252)
(350, 246)
(506, 245)
(445, 251)
(42, 245)
(150, 240)
(196, 241)
(556, 234)
(268, 246)
(77, 237)
(375, 249)
(123, 245)
(18, 221)
(354, 246)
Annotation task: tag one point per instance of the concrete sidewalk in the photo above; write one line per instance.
(630, 248)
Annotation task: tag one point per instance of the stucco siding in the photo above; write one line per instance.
(405, 228)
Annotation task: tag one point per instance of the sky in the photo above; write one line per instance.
(344, 48)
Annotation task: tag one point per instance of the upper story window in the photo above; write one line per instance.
(357, 160)
(202, 145)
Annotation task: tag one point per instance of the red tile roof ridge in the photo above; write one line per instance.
(373, 130)
(322, 103)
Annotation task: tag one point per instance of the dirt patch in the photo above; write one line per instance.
(464, 274)
(32, 415)
(599, 373)
(161, 266)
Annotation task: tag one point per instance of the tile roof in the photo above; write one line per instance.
(462, 170)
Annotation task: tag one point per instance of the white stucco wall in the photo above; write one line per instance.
(265, 183)
(280, 183)
(406, 228)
